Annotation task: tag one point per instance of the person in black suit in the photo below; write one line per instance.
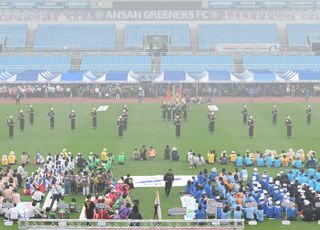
(21, 119)
(168, 178)
(212, 121)
(184, 109)
(309, 113)
(72, 118)
(274, 113)
(251, 126)
(31, 114)
(164, 110)
(288, 124)
(10, 124)
(51, 114)
(94, 115)
(245, 114)
(169, 107)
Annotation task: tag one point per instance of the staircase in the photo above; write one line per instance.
(76, 63)
(30, 40)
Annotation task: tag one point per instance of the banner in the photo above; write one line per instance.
(157, 181)
(247, 47)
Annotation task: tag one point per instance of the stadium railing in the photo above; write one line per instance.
(49, 224)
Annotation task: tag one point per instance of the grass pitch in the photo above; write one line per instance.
(145, 126)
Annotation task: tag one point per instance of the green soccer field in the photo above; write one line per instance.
(145, 126)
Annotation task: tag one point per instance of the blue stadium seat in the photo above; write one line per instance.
(135, 33)
(102, 64)
(21, 63)
(75, 37)
(16, 35)
(281, 63)
(298, 33)
(191, 63)
(210, 35)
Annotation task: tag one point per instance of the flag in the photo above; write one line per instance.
(180, 91)
(157, 208)
(168, 95)
(174, 90)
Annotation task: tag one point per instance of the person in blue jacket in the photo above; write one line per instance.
(239, 161)
(214, 173)
(269, 161)
(277, 162)
(260, 162)
(247, 160)
(200, 213)
(258, 212)
(269, 209)
(237, 213)
(297, 163)
(277, 211)
(226, 213)
(292, 212)
(249, 213)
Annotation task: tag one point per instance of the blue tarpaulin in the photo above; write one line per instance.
(308, 75)
(263, 76)
(119, 77)
(174, 76)
(78, 76)
(28, 76)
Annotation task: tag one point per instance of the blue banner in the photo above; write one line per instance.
(274, 4)
(77, 4)
(50, 5)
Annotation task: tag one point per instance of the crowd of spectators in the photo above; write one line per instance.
(268, 158)
(61, 175)
(160, 90)
(288, 196)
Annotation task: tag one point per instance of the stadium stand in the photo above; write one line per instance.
(196, 63)
(102, 64)
(134, 34)
(75, 37)
(15, 35)
(298, 33)
(281, 63)
(21, 63)
(210, 35)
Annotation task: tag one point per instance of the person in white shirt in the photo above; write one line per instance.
(21, 171)
(14, 213)
(191, 160)
(34, 212)
(37, 197)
